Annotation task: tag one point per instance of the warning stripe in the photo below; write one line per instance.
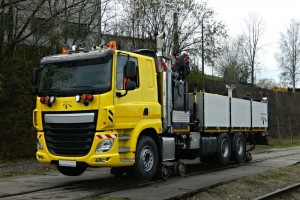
(105, 136)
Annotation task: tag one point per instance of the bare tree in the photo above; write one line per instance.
(253, 30)
(36, 24)
(179, 19)
(51, 23)
(4, 3)
(19, 22)
(267, 83)
(288, 56)
(141, 21)
(231, 64)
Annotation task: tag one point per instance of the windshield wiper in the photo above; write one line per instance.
(83, 86)
(53, 92)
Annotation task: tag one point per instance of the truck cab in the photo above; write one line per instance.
(92, 107)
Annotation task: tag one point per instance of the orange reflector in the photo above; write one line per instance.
(112, 45)
(64, 50)
(47, 98)
(83, 97)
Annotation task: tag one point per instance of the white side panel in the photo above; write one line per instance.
(216, 111)
(240, 113)
(259, 115)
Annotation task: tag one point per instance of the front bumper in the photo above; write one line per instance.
(111, 158)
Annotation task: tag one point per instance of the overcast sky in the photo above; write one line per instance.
(277, 15)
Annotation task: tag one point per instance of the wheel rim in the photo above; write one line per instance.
(181, 169)
(240, 147)
(147, 158)
(225, 148)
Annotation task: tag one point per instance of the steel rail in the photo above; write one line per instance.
(280, 192)
(118, 186)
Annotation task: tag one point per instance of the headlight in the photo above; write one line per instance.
(39, 145)
(104, 146)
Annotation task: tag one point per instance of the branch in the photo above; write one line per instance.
(3, 5)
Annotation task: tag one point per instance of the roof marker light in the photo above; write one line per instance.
(90, 97)
(42, 100)
(64, 50)
(83, 97)
(52, 99)
(73, 47)
(47, 99)
(112, 45)
(77, 98)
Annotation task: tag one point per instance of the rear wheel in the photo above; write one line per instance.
(146, 159)
(71, 171)
(223, 149)
(238, 148)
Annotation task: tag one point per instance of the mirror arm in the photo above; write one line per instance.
(119, 94)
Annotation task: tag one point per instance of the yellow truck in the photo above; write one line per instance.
(111, 108)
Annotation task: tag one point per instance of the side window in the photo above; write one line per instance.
(121, 62)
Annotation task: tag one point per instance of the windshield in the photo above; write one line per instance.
(71, 77)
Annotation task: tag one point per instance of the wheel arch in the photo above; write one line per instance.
(148, 127)
(153, 134)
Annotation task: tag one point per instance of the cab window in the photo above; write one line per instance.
(121, 62)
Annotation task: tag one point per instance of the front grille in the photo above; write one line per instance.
(69, 139)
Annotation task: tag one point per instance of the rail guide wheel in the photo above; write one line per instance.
(180, 169)
(248, 157)
(165, 172)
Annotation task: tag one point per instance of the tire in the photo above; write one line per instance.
(238, 148)
(223, 149)
(248, 157)
(164, 172)
(146, 159)
(71, 171)
(180, 169)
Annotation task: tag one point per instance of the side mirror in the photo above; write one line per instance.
(33, 90)
(130, 69)
(34, 76)
(130, 85)
(34, 81)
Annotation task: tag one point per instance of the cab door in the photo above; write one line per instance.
(129, 106)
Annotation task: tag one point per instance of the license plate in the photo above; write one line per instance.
(67, 163)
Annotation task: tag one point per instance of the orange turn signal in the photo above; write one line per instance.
(112, 45)
(64, 50)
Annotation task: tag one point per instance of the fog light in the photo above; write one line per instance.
(102, 159)
(39, 145)
(104, 146)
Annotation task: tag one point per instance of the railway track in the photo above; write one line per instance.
(106, 184)
(280, 193)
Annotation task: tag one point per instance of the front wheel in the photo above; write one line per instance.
(71, 171)
(146, 159)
